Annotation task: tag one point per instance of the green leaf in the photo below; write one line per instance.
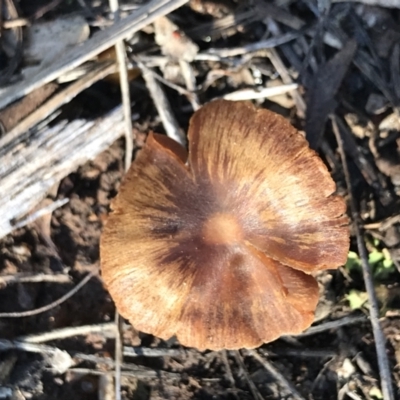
(388, 264)
(375, 257)
(356, 299)
(353, 261)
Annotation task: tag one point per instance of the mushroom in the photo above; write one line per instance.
(217, 246)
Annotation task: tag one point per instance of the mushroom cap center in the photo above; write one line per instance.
(222, 228)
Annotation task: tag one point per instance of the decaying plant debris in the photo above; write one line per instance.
(333, 69)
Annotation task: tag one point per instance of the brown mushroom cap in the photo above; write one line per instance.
(218, 250)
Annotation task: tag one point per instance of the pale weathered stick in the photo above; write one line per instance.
(118, 355)
(34, 278)
(41, 212)
(264, 93)
(172, 128)
(380, 340)
(125, 92)
(252, 47)
(283, 72)
(100, 41)
(107, 329)
(59, 360)
(28, 171)
(179, 89)
(56, 102)
(106, 387)
(126, 106)
(190, 80)
(153, 352)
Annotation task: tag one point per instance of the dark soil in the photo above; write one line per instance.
(325, 366)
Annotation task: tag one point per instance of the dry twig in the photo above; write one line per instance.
(141, 374)
(160, 100)
(288, 387)
(190, 81)
(124, 84)
(126, 106)
(380, 340)
(99, 42)
(56, 102)
(15, 59)
(228, 372)
(34, 278)
(332, 325)
(51, 305)
(41, 212)
(153, 352)
(107, 328)
(253, 388)
(264, 93)
(28, 172)
(380, 3)
(60, 360)
(118, 354)
(257, 46)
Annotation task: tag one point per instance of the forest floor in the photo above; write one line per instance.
(345, 59)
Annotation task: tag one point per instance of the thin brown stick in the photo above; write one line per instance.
(15, 59)
(51, 305)
(1, 18)
(125, 92)
(380, 340)
(45, 9)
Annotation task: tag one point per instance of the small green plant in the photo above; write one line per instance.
(356, 299)
(379, 259)
(381, 265)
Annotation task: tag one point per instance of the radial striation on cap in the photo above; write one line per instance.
(217, 246)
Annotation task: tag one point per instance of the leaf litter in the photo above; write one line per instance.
(343, 58)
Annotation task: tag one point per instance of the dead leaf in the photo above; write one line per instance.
(320, 95)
